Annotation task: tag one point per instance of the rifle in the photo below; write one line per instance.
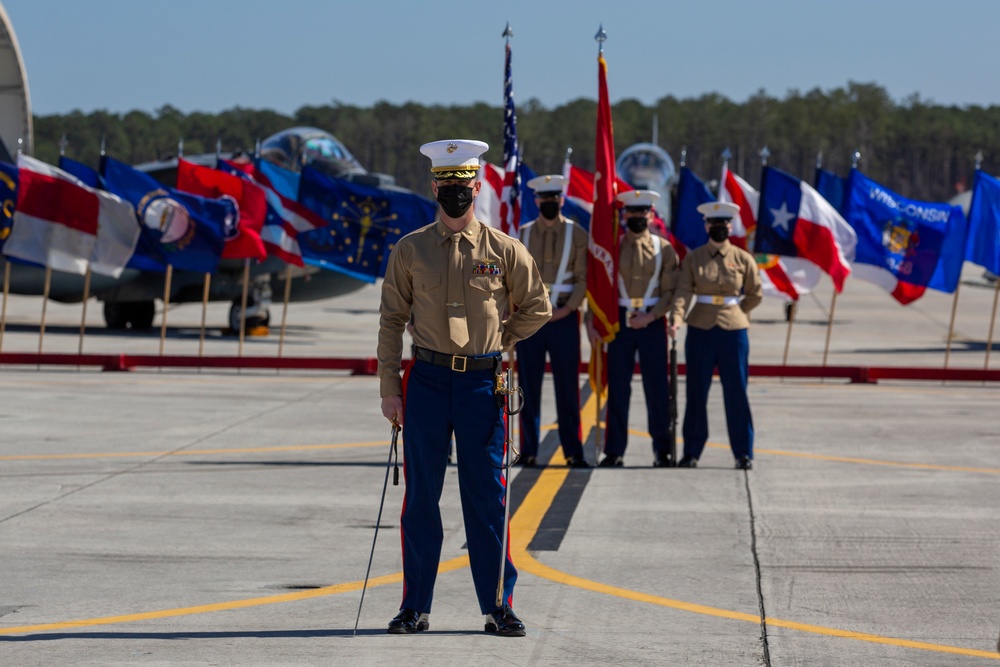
(672, 401)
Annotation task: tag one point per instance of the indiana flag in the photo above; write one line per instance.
(796, 221)
(63, 224)
(983, 244)
(510, 195)
(785, 278)
(904, 245)
(243, 239)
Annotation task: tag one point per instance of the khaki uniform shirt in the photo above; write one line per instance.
(636, 263)
(727, 272)
(546, 247)
(498, 274)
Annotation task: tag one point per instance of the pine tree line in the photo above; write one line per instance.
(920, 149)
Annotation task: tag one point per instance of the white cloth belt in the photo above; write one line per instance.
(718, 300)
(562, 275)
(638, 302)
(646, 300)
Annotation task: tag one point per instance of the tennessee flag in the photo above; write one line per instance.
(602, 258)
(242, 242)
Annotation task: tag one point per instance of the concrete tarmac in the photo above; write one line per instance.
(224, 518)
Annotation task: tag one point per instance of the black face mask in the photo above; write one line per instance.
(718, 233)
(549, 209)
(637, 225)
(455, 199)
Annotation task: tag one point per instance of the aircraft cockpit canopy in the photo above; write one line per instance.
(299, 146)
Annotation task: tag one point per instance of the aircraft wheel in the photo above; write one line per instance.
(136, 315)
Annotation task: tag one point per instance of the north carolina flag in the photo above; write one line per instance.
(242, 240)
(785, 278)
(796, 221)
(61, 223)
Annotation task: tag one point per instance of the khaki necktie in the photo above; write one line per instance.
(458, 326)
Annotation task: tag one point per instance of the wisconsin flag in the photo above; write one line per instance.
(796, 221)
(63, 224)
(904, 245)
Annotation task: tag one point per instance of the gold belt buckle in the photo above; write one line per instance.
(454, 363)
(638, 303)
(718, 300)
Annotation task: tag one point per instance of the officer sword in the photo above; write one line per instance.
(506, 389)
(385, 485)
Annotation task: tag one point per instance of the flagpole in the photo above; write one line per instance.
(792, 308)
(243, 304)
(166, 305)
(204, 312)
(284, 308)
(951, 325)
(598, 352)
(829, 326)
(45, 301)
(83, 318)
(6, 292)
(989, 340)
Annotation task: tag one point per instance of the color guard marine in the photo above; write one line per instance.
(647, 271)
(457, 277)
(559, 248)
(720, 284)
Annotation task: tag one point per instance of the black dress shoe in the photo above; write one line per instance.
(688, 462)
(504, 623)
(407, 622)
(664, 461)
(574, 462)
(745, 463)
(528, 461)
(612, 461)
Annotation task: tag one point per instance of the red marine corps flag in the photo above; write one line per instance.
(602, 260)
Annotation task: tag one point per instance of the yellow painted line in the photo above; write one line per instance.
(191, 452)
(537, 503)
(447, 566)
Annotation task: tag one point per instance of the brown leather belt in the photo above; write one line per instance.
(457, 362)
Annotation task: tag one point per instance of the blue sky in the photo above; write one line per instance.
(210, 55)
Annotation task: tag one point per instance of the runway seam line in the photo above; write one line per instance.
(756, 567)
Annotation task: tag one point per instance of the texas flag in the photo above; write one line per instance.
(243, 240)
(796, 221)
(786, 278)
(63, 224)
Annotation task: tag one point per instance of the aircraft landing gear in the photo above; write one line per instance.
(135, 315)
(258, 315)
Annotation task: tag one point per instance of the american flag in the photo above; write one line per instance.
(510, 196)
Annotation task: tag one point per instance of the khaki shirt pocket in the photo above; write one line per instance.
(483, 297)
(426, 291)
